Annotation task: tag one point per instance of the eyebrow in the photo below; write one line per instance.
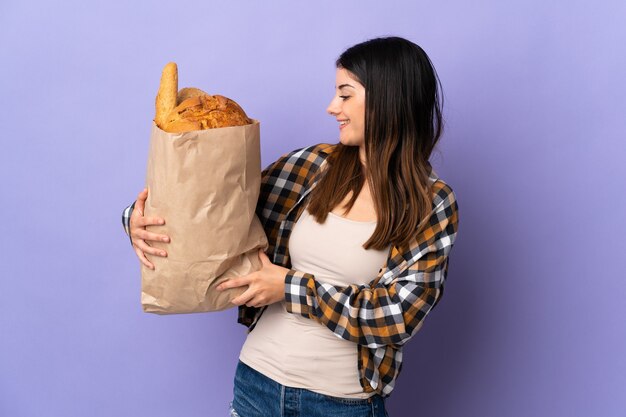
(344, 85)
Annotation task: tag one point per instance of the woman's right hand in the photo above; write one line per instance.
(140, 237)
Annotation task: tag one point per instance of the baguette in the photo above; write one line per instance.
(167, 95)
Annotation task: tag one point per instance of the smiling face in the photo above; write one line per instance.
(348, 107)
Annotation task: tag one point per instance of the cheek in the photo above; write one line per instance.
(359, 115)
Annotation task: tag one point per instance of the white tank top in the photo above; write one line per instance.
(297, 351)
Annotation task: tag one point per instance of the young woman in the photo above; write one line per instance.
(359, 238)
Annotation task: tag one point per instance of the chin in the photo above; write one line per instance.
(348, 141)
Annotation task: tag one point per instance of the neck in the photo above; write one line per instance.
(362, 155)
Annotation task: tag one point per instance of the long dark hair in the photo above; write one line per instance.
(403, 123)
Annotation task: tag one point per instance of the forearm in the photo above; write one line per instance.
(373, 317)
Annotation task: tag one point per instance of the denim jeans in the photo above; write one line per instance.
(256, 395)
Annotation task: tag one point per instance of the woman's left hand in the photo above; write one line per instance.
(266, 286)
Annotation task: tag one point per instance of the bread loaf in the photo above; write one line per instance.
(193, 109)
(189, 92)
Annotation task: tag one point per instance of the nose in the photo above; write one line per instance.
(332, 108)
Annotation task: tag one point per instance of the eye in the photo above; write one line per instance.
(345, 97)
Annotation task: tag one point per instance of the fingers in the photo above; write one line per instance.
(138, 223)
(138, 231)
(143, 258)
(140, 236)
(257, 301)
(155, 237)
(141, 200)
(137, 218)
(146, 248)
(143, 221)
(246, 296)
(235, 282)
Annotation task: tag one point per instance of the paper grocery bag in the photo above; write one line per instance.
(205, 184)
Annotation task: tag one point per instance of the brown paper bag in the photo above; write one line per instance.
(205, 184)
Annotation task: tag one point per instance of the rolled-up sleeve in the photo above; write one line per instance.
(128, 211)
(383, 314)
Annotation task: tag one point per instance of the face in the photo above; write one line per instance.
(348, 105)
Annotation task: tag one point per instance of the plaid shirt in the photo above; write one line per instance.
(379, 317)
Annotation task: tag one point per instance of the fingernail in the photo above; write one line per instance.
(163, 253)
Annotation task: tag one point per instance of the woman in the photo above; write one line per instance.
(359, 238)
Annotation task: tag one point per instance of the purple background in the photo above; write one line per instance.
(533, 319)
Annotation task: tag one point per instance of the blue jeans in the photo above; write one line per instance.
(256, 395)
